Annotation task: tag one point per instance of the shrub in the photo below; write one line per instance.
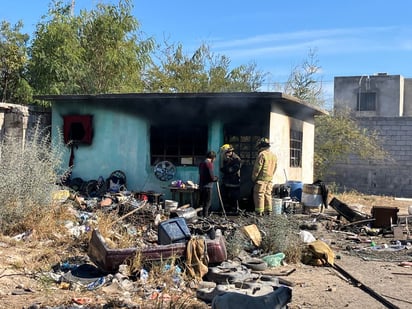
(281, 235)
(28, 174)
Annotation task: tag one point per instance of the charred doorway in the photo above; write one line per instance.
(243, 138)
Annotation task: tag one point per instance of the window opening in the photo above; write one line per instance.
(366, 101)
(180, 145)
(245, 147)
(243, 138)
(296, 148)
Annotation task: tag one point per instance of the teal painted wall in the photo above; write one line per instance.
(121, 142)
(215, 141)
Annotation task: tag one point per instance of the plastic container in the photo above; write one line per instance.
(170, 205)
(189, 214)
(277, 204)
(295, 189)
(291, 206)
(173, 231)
(311, 196)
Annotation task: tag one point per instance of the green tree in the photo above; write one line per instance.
(96, 52)
(115, 56)
(101, 51)
(203, 71)
(13, 61)
(55, 53)
(338, 137)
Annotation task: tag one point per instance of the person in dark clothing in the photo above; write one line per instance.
(324, 192)
(230, 168)
(206, 180)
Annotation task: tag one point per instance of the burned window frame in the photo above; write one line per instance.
(243, 138)
(245, 147)
(181, 145)
(296, 141)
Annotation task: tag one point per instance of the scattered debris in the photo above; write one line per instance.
(192, 252)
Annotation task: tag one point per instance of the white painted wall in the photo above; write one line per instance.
(280, 145)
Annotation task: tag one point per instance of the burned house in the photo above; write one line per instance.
(136, 132)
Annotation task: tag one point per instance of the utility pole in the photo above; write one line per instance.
(72, 9)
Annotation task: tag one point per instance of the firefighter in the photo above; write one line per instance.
(230, 168)
(263, 170)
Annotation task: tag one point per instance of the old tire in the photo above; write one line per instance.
(255, 264)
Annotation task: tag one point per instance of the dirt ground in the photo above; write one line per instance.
(378, 279)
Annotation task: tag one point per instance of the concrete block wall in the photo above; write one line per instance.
(392, 177)
(18, 121)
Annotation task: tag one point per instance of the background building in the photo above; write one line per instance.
(383, 103)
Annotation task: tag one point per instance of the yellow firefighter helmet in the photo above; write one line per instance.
(226, 148)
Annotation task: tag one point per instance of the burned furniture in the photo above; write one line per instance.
(348, 213)
(354, 217)
(109, 259)
(385, 217)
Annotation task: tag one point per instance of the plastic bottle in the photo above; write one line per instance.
(96, 284)
(144, 275)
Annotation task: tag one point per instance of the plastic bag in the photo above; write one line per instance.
(306, 237)
(274, 260)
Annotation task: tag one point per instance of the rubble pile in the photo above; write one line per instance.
(176, 256)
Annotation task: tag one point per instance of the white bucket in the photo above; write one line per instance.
(277, 206)
(410, 210)
(311, 196)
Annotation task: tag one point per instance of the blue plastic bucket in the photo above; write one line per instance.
(295, 189)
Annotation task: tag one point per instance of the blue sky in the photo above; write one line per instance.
(351, 37)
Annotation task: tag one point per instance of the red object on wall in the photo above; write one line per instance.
(78, 129)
